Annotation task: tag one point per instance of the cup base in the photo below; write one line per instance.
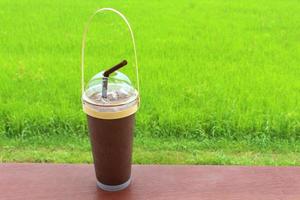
(114, 188)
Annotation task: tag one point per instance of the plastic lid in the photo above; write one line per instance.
(119, 90)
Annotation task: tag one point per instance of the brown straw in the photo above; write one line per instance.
(114, 68)
(106, 75)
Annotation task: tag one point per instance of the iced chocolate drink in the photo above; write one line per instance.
(110, 102)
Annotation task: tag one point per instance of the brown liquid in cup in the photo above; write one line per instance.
(112, 148)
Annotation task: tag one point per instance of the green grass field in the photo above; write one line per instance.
(219, 79)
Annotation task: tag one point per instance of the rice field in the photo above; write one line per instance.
(219, 79)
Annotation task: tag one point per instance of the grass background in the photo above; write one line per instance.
(219, 79)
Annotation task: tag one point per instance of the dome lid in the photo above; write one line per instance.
(115, 90)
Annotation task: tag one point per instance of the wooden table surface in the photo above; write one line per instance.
(68, 181)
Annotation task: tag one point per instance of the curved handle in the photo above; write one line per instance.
(84, 42)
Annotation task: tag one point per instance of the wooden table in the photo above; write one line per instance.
(68, 181)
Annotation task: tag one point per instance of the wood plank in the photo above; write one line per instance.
(68, 181)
